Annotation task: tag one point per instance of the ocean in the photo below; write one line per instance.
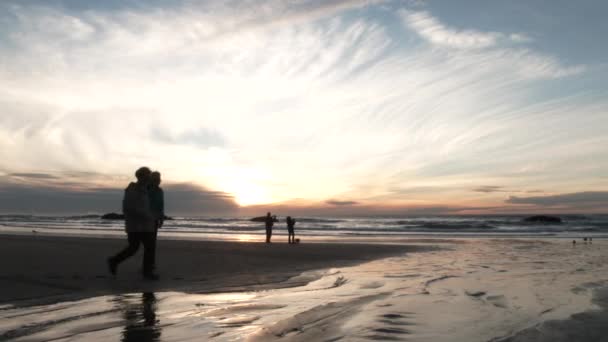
(319, 228)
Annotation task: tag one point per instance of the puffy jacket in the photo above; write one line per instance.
(136, 207)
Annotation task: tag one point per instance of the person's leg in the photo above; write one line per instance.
(131, 249)
(267, 235)
(153, 256)
(148, 240)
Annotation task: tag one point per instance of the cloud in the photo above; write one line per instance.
(278, 99)
(64, 196)
(33, 175)
(201, 137)
(437, 33)
(488, 45)
(341, 203)
(599, 198)
(431, 29)
(520, 38)
(489, 189)
(196, 200)
(322, 209)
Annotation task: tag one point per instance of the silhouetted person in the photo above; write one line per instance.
(157, 205)
(139, 224)
(291, 223)
(269, 223)
(141, 324)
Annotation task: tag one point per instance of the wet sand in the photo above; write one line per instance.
(507, 290)
(48, 268)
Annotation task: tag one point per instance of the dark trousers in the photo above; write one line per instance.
(135, 239)
(291, 236)
(154, 245)
(268, 234)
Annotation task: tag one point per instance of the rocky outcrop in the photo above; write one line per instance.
(113, 216)
(543, 219)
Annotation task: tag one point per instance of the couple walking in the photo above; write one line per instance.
(143, 207)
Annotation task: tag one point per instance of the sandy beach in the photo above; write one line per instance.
(424, 290)
(38, 268)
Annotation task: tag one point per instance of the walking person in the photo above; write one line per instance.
(291, 223)
(157, 205)
(269, 223)
(139, 224)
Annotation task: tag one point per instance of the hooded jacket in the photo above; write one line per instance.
(136, 207)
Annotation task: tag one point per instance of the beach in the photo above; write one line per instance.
(416, 289)
(36, 267)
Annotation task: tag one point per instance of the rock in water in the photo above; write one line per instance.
(113, 216)
(543, 219)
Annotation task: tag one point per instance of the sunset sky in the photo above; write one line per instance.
(327, 107)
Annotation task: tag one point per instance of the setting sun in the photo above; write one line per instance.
(246, 193)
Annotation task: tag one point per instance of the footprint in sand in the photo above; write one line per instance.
(475, 294)
(372, 285)
(392, 329)
(499, 301)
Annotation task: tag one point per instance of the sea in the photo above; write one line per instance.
(318, 228)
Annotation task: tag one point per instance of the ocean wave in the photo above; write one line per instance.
(367, 226)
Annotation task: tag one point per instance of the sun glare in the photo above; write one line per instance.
(249, 194)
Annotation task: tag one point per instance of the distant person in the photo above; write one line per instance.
(139, 224)
(157, 205)
(269, 223)
(291, 223)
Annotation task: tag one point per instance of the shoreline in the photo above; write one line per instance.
(281, 237)
(502, 290)
(46, 269)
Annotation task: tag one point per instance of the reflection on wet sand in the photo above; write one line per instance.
(141, 324)
(511, 290)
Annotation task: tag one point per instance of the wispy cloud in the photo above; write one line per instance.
(490, 189)
(306, 99)
(341, 203)
(571, 199)
(55, 193)
(495, 46)
(200, 137)
(33, 175)
(431, 29)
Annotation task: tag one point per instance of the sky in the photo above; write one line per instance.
(334, 107)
